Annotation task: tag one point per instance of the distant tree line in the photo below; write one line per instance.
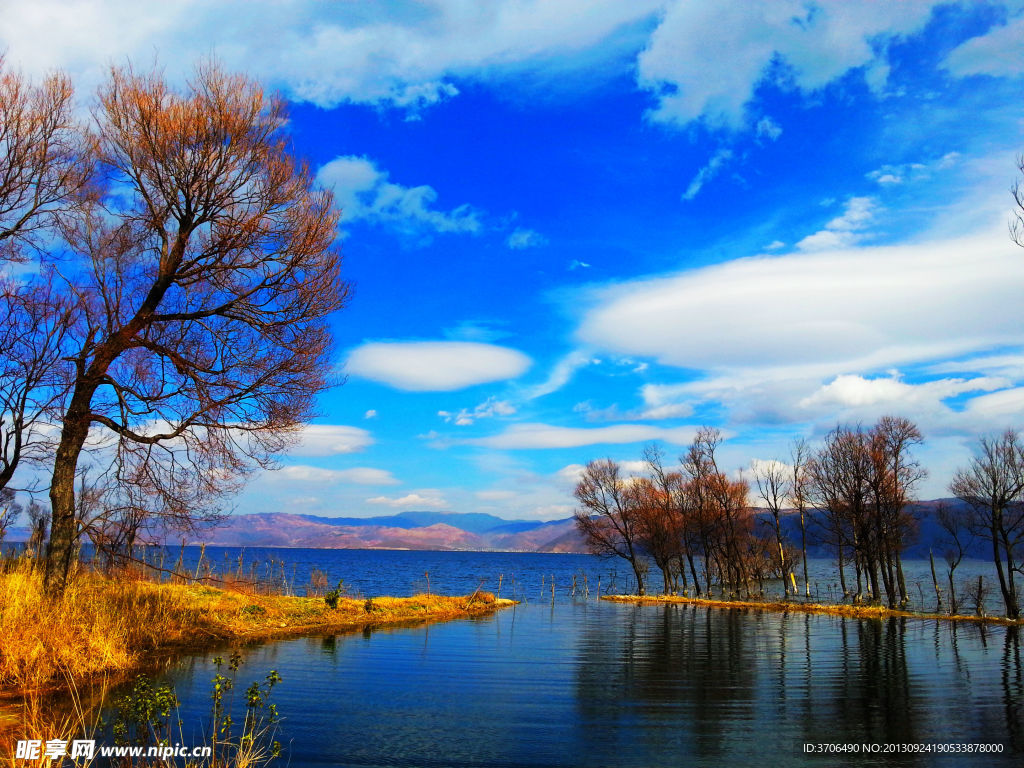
(852, 494)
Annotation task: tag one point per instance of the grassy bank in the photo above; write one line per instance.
(829, 609)
(107, 625)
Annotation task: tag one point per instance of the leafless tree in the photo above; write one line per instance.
(45, 171)
(34, 323)
(772, 479)
(800, 492)
(955, 541)
(992, 485)
(608, 518)
(44, 159)
(863, 481)
(203, 279)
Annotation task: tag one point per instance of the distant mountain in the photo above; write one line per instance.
(408, 530)
(473, 522)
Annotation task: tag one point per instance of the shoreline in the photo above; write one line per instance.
(119, 629)
(824, 609)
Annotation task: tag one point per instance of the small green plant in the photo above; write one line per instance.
(331, 598)
(143, 715)
(259, 724)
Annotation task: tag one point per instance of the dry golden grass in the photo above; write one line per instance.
(829, 609)
(108, 625)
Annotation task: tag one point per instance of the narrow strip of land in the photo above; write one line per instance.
(111, 626)
(794, 606)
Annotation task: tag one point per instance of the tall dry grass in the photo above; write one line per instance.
(99, 625)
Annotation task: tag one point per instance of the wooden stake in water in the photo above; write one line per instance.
(500, 577)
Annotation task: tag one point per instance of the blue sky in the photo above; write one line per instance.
(576, 227)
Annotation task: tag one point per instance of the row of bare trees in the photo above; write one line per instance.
(852, 494)
(166, 330)
(693, 521)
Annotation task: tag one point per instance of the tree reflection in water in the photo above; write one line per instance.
(722, 686)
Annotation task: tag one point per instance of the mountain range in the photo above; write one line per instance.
(406, 530)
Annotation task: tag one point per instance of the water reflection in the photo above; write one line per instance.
(597, 684)
(721, 687)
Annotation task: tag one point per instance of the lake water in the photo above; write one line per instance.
(579, 682)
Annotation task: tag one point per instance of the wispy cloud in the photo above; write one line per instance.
(364, 192)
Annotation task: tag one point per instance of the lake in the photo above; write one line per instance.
(579, 682)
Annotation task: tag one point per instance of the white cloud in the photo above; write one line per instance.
(521, 239)
(999, 52)
(561, 373)
(300, 473)
(401, 54)
(890, 175)
(708, 172)
(891, 392)
(490, 408)
(768, 128)
(423, 499)
(370, 414)
(364, 192)
(852, 308)
(526, 436)
(685, 68)
(435, 366)
(330, 440)
(999, 405)
(842, 231)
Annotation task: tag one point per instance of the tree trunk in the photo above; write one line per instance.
(64, 531)
(803, 546)
(842, 574)
(935, 581)
(1009, 600)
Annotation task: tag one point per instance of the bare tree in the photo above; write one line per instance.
(45, 171)
(800, 492)
(608, 519)
(992, 485)
(956, 540)
(34, 322)
(203, 279)
(772, 479)
(44, 163)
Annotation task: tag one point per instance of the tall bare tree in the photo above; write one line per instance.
(993, 487)
(608, 518)
(800, 492)
(203, 278)
(772, 479)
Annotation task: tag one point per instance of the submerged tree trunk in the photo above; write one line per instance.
(803, 546)
(935, 581)
(842, 574)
